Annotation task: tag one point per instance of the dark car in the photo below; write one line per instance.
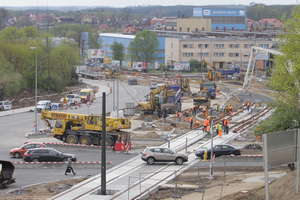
(219, 150)
(47, 155)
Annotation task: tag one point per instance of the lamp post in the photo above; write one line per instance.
(35, 93)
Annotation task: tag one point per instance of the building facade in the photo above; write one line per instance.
(107, 39)
(223, 17)
(218, 52)
(193, 24)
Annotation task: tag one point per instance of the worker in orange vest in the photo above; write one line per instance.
(225, 124)
(206, 125)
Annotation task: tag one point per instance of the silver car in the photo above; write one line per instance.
(160, 154)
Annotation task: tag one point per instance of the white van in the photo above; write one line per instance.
(5, 105)
(43, 105)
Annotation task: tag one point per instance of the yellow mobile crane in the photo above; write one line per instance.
(85, 129)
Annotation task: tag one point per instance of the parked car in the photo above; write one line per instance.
(47, 155)
(72, 99)
(132, 81)
(43, 105)
(219, 150)
(19, 151)
(5, 105)
(159, 154)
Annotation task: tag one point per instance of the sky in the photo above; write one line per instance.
(124, 3)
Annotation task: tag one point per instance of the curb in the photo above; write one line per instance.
(74, 145)
(55, 163)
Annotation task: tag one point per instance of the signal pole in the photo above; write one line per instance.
(103, 144)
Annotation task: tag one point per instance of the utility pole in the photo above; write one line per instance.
(35, 91)
(211, 173)
(117, 78)
(103, 143)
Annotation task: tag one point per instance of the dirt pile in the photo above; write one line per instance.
(283, 188)
(41, 191)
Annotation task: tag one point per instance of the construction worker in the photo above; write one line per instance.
(191, 123)
(248, 105)
(230, 109)
(219, 129)
(225, 124)
(206, 125)
(65, 102)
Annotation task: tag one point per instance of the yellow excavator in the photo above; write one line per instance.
(85, 129)
(158, 101)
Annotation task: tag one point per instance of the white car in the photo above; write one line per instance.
(43, 105)
(5, 105)
(72, 99)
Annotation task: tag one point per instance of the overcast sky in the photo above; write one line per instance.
(124, 3)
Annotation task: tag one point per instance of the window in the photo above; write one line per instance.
(246, 46)
(266, 46)
(185, 46)
(203, 29)
(188, 54)
(188, 29)
(218, 54)
(234, 54)
(156, 150)
(196, 30)
(219, 46)
(165, 150)
(188, 46)
(234, 46)
(180, 29)
(206, 45)
(203, 54)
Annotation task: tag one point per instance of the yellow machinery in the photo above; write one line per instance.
(184, 84)
(213, 75)
(155, 104)
(84, 129)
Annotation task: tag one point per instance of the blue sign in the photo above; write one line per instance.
(202, 12)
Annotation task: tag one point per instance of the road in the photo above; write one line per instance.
(14, 127)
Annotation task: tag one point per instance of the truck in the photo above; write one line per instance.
(210, 87)
(84, 129)
(87, 95)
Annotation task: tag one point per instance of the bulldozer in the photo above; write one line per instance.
(85, 129)
(161, 99)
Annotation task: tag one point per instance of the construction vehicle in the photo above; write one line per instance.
(161, 98)
(210, 88)
(184, 84)
(85, 129)
(201, 98)
(87, 95)
(213, 75)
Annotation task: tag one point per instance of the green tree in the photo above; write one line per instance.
(118, 52)
(144, 46)
(286, 79)
(197, 66)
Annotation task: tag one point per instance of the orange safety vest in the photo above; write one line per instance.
(225, 122)
(206, 123)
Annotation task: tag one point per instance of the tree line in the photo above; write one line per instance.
(19, 49)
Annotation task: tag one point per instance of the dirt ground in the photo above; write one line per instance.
(41, 191)
(232, 185)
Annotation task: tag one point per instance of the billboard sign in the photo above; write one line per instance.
(200, 12)
(182, 66)
(95, 53)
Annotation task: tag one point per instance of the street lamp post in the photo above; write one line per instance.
(35, 93)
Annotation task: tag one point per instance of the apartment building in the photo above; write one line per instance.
(218, 52)
(194, 25)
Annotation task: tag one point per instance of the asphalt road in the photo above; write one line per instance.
(14, 127)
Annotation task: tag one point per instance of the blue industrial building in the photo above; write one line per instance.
(223, 17)
(107, 39)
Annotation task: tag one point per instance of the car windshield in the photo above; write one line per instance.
(83, 93)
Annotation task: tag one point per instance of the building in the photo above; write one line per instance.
(193, 24)
(223, 17)
(216, 51)
(107, 39)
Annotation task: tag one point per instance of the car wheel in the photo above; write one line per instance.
(35, 160)
(17, 155)
(150, 161)
(179, 161)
